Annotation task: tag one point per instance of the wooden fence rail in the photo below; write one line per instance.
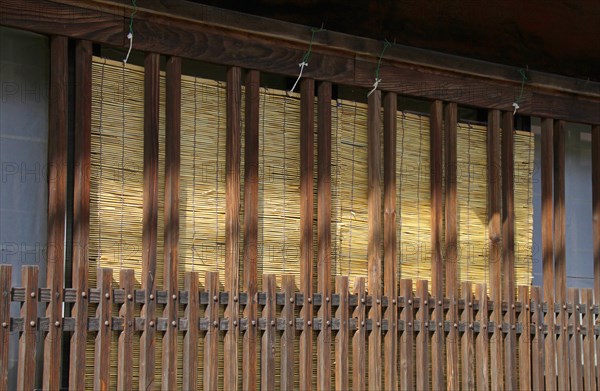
(278, 318)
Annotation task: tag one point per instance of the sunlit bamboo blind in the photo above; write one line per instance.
(116, 181)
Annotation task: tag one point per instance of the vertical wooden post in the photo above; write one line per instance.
(81, 209)
(450, 119)
(27, 340)
(190, 339)
(5, 298)
(575, 349)
(589, 358)
(596, 223)
(482, 340)
(232, 224)
(307, 88)
(359, 354)
(508, 247)
(495, 258)
(437, 267)
(211, 340)
(422, 355)
(525, 340)
(341, 339)
(150, 218)
(102, 343)
(324, 235)
(390, 243)
(267, 351)
(560, 267)
(547, 251)
(468, 339)
(374, 245)
(57, 198)
(537, 347)
(407, 364)
(171, 237)
(125, 345)
(289, 334)
(250, 226)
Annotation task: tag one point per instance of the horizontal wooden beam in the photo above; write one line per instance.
(204, 33)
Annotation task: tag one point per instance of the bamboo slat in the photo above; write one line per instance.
(482, 339)
(27, 340)
(359, 352)
(468, 339)
(589, 354)
(5, 288)
(423, 337)
(407, 339)
(342, 374)
(575, 348)
(524, 363)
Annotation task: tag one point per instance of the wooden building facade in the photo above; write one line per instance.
(216, 228)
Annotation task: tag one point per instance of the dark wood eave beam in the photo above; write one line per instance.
(230, 38)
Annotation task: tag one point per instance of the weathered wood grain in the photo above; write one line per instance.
(125, 344)
(482, 339)
(324, 234)
(267, 351)
(537, 347)
(451, 234)
(589, 353)
(190, 338)
(211, 339)
(437, 267)
(547, 250)
(359, 352)
(524, 364)
(251, 143)
(57, 202)
(307, 90)
(342, 378)
(171, 210)
(288, 336)
(5, 288)
(390, 244)
(102, 343)
(467, 342)
(575, 349)
(81, 209)
(150, 217)
(407, 338)
(232, 224)
(27, 340)
(423, 338)
(495, 255)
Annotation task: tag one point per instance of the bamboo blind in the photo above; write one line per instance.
(117, 188)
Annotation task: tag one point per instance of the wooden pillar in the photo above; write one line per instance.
(57, 198)
(596, 222)
(324, 235)
(390, 250)
(232, 224)
(250, 226)
(150, 218)
(374, 244)
(171, 210)
(450, 119)
(81, 209)
(508, 247)
(560, 267)
(437, 267)
(495, 258)
(307, 88)
(547, 250)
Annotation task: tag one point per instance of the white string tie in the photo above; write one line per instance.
(130, 37)
(301, 65)
(516, 106)
(375, 85)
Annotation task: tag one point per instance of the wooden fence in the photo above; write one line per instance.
(278, 327)
(440, 336)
